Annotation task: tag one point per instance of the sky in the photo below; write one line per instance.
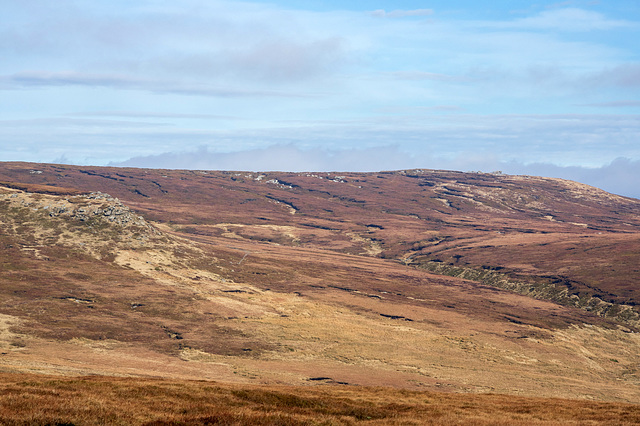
(525, 87)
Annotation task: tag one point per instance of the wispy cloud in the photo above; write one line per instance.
(279, 60)
(381, 13)
(33, 79)
(77, 123)
(567, 19)
(625, 76)
(219, 41)
(277, 157)
(613, 104)
(422, 131)
(136, 114)
(48, 78)
(424, 75)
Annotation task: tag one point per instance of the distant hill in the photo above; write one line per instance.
(415, 279)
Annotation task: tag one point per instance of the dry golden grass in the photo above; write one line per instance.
(45, 400)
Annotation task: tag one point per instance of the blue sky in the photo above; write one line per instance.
(525, 87)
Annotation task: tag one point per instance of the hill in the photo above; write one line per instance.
(545, 232)
(421, 279)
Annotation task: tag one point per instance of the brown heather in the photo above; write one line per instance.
(42, 400)
(409, 297)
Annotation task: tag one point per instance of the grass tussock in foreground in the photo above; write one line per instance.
(46, 400)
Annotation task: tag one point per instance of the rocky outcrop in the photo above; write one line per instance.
(93, 209)
(624, 314)
(110, 209)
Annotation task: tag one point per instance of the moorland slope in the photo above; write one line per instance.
(423, 280)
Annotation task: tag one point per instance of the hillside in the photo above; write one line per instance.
(542, 231)
(418, 280)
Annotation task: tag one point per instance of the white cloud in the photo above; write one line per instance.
(31, 79)
(284, 60)
(197, 40)
(165, 115)
(625, 76)
(48, 78)
(421, 132)
(424, 75)
(278, 158)
(614, 104)
(75, 123)
(381, 13)
(567, 19)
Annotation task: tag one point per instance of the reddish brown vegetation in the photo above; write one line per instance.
(41, 189)
(546, 229)
(283, 278)
(42, 400)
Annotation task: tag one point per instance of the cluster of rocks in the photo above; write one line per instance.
(111, 209)
(95, 205)
(279, 184)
